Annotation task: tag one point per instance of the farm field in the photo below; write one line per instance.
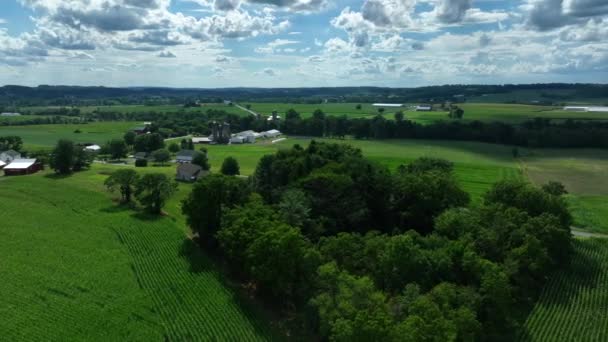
(144, 108)
(573, 304)
(512, 113)
(47, 135)
(75, 266)
(584, 173)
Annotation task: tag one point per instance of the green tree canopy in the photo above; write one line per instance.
(153, 190)
(230, 167)
(125, 181)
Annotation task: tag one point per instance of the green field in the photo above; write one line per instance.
(573, 304)
(75, 266)
(143, 109)
(473, 111)
(47, 135)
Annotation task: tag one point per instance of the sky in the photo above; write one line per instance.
(302, 43)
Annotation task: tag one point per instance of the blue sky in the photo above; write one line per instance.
(295, 43)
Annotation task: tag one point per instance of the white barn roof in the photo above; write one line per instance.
(387, 105)
(20, 164)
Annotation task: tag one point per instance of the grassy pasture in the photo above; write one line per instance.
(47, 135)
(584, 173)
(573, 304)
(75, 266)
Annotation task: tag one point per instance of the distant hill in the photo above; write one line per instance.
(553, 93)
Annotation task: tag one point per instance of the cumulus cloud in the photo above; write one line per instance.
(273, 45)
(452, 11)
(551, 14)
(270, 72)
(166, 54)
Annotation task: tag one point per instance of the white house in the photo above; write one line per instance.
(9, 155)
(424, 108)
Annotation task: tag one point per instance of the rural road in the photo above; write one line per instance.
(580, 233)
(247, 110)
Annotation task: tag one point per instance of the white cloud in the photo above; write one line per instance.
(166, 54)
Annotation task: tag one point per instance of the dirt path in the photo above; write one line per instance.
(584, 234)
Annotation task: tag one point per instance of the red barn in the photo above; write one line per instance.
(20, 167)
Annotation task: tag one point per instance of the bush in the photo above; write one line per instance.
(141, 163)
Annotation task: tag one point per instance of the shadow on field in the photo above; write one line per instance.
(144, 216)
(195, 257)
(255, 311)
(58, 176)
(116, 209)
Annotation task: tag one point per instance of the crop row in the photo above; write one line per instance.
(574, 303)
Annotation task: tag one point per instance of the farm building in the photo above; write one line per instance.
(9, 155)
(139, 130)
(424, 108)
(140, 155)
(190, 172)
(20, 167)
(248, 136)
(2, 164)
(237, 140)
(393, 105)
(185, 156)
(10, 114)
(273, 133)
(201, 140)
(92, 148)
(586, 109)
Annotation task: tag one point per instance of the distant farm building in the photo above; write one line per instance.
(190, 172)
(141, 156)
(201, 140)
(20, 167)
(186, 156)
(586, 109)
(9, 155)
(393, 105)
(247, 136)
(139, 130)
(273, 133)
(220, 132)
(424, 108)
(10, 114)
(92, 148)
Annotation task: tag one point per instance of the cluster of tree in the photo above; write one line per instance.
(151, 190)
(71, 96)
(53, 120)
(363, 253)
(11, 142)
(68, 157)
(534, 133)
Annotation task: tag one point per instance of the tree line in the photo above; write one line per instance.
(358, 252)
